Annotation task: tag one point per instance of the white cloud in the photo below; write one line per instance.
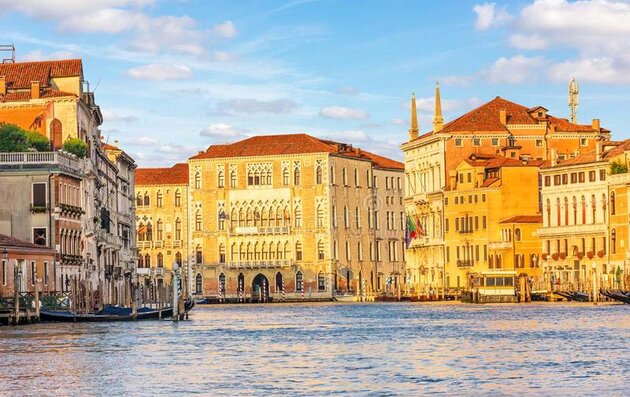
(222, 56)
(39, 55)
(605, 70)
(351, 136)
(222, 130)
(160, 72)
(144, 141)
(400, 122)
(250, 105)
(347, 90)
(226, 30)
(456, 81)
(342, 113)
(427, 104)
(117, 115)
(515, 70)
(489, 16)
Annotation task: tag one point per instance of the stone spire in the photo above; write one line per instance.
(438, 121)
(574, 91)
(413, 130)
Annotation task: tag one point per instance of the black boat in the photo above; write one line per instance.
(111, 313)
(618, 296)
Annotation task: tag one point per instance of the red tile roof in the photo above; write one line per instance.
(21, 74)
(524, 219)
(12, 242)
(486, 118)
(175, 175)
(270, 145)
(621, 147)
(16, 96)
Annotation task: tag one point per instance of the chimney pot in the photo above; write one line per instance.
(595, 124)
(3, 85)
(116, 143)
(34, 89)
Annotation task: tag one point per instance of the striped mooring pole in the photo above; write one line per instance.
(283, 298)
(302, 291)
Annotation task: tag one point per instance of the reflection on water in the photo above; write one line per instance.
(330, 349)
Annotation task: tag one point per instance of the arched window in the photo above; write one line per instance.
(594, 208)
(321, 281)
(286, 250)
(198, 220)
(320, 250)
(613, 207)
(198, 254)
(558, 212)
(140, 261)
(158, 199)
(56, 133)
(279, 282)
(548, 212)
(298, 216)
(491, 262)
(278, 250)
(198, 180)
(346, 217)
(298, 251)
(278, 216)
(160, 230)
(285, 176)
(222, 253)
(575, 219)
(198, 283)
(233, 179)
(142, 232)
(604, 203)
(147, 260)
(160, 260)
(296, 176)
(517, 234)
(233, 253)
(583, 210)
(178, 229)
(299, 285)
(178, 258)
(241, 217)
(566, 211)
(318, 175)
(139, 201)
(320, 216)
(533, 261)
(344, 177)
(146, 199)
(248, 253)
(221, 178)
(249, 217)
(613, 241)
(233, 218)
(498, 261)
(356, 177)
(178, 198)
(263, 251)
(149, 236)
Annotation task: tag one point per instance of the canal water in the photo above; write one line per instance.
(330, 350)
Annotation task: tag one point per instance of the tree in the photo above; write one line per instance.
(618, 168)
(76, 147)
(12, 139)
(37, 141)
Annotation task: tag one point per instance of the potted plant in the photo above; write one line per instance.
(590, 254)
(580, 255)
(544, 256)
(601, 253)
(555, 256)
(563, 255)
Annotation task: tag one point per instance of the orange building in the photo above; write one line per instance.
(22, 264)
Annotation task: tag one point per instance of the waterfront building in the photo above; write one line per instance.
(582, 229)
(161, 221)
(293, 214)
(22, 264)
(495, 128)
(488, 207)
(619, 194)
(69, 204)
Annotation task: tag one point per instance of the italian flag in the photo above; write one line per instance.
(410, 231)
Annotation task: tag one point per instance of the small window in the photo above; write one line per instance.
(458, 142)
(583, 142)
(602, 175)
(495, 141)
(39, 236)
(476, 142)
(539, 142)
(39, 195)
(321, 281)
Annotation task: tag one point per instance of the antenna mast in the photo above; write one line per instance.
(4, 48)
(574, 90)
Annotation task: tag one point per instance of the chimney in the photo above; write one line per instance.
(554, 157)
(503, 116)
(358, 151)
(598, 147)
(34, 89)
(3, 85)
(595, 124)
(116, 143)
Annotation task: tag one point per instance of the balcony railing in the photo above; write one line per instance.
(30, 159)
(158, 244)
(177, 244)
(255, 230)
(499, 245)
(158, 271)
(144, 244)
(465, 263)
(260, 264)
(143, 271)
(597, 228)
(465, 231)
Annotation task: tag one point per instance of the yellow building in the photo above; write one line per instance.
(488, 208)
(286, 216)
(161, 221)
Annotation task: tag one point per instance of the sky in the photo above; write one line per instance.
(175, 76)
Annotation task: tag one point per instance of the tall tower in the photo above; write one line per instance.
(438, 121)
(413, 130)
(574, 90)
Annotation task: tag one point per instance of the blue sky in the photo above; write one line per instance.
(173, 77)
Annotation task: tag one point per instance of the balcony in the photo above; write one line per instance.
(158, 271)
(257, 231)
(465, 231)
(105, 238)
(158, 244)
(259, 264)
(177, 244)
(144, 244)
(465, 263)
(71, 259)
(33, 160)
(143, 271)
(499, 245)
(577, 230)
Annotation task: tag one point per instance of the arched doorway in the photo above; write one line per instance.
(56, 134)
(198, 284)
(260, 289)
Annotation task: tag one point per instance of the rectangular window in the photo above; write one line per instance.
(495, 141)
(556, 180)
(573, 177)
(476, 223)
(547, 180)
(476, 252)
(4, 272)
(565, 179)
(583, 142)
(39, 236)
(458, 142)
(33, 272)
(39, 195)
(457, 224)
(483, 223)
(446, 224)
(591, 176)
(602, 175)
(476, 142)
(581, 178)
(485, 252)
(539, 142)
(483, 198)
